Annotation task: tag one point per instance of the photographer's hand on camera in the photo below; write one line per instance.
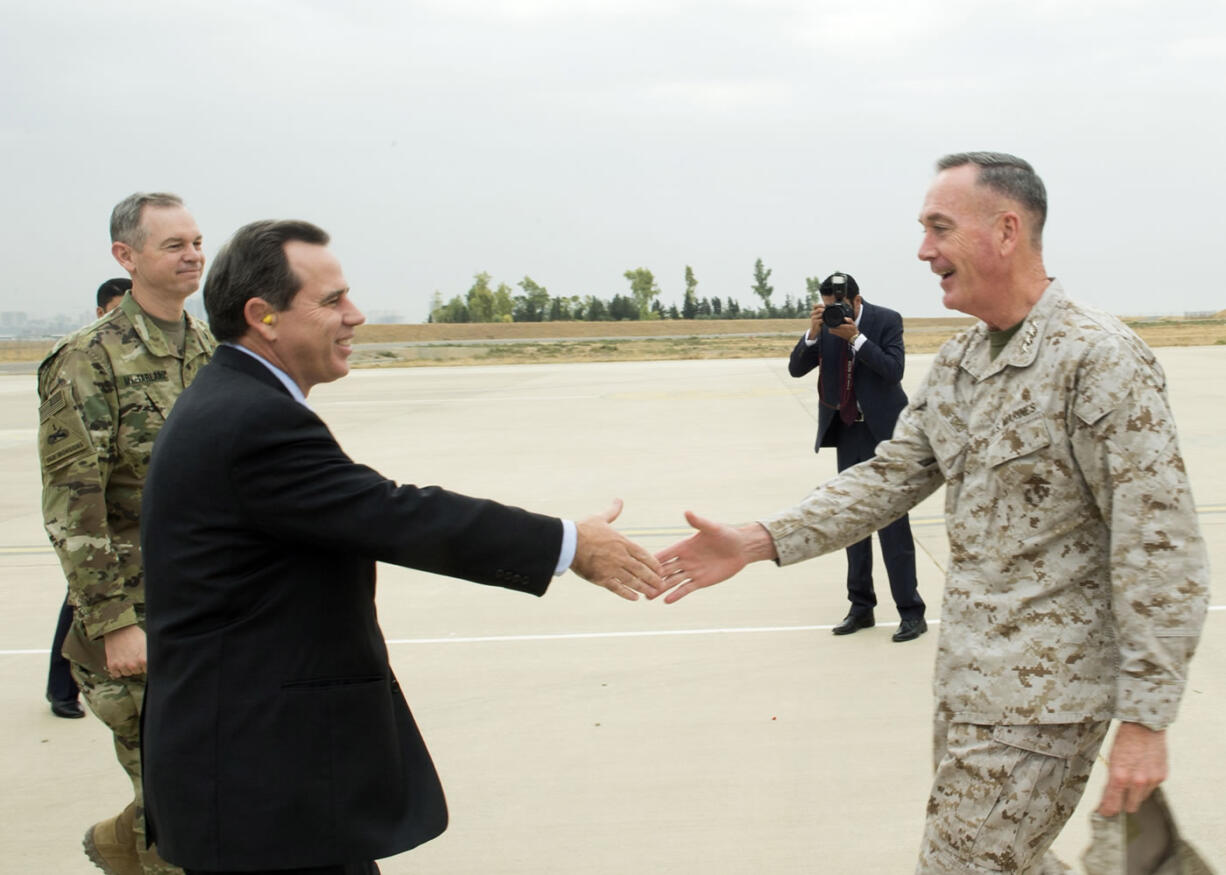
(815, 321)
(847, 331)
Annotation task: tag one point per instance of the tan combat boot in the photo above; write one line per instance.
(111, 844)
(151, 861)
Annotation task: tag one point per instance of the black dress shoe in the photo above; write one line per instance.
(68, 708)
(909, 630)
(854, 623)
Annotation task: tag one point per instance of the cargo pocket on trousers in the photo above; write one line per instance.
(1033, 770)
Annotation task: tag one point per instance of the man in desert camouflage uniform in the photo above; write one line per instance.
(1078, 579)
(104, 393)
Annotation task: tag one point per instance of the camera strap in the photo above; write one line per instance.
(848, 412)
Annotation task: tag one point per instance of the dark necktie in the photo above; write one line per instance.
(847, 395)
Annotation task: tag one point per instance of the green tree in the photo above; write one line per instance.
(716, 307)
(597, 310)
(436, 304)
(623, 308)
(533, 304)
(504, 304)
(643, 288)
(812, 290)
(454, 310)
(481, 299)
(761, 287)
(689, 307)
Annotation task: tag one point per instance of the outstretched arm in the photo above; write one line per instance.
(713, 553)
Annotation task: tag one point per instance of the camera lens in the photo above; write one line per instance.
(833, 315)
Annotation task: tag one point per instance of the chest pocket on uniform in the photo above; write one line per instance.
(948, 444)
(1016, 459)
(143, 408)
(1017, 440)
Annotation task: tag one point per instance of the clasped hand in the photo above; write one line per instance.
(607, 558)
(125, 651)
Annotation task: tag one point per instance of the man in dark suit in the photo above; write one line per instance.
(861, 360)
(276, 738)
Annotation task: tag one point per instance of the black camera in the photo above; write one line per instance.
(844, 290)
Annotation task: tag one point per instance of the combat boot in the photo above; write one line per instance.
(111, 844)
(152, 863)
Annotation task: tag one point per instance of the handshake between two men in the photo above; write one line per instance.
(712, 554)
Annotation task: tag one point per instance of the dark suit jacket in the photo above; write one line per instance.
(875, 375)
(275, 734)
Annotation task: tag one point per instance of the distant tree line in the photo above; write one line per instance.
(484, 302)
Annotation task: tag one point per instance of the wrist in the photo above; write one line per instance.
(756, 543)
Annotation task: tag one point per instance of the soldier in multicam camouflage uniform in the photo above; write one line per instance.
(104, 393)
(1078, 579)
(62, 690)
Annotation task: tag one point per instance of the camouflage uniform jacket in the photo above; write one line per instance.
(104, 393)
(1078, 578)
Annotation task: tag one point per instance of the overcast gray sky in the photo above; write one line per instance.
(570, 140)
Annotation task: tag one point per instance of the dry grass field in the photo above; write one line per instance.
(418, 345)
(494, 343)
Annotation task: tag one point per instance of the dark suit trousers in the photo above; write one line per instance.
(350, 869)
(60, 685)
(854, 444)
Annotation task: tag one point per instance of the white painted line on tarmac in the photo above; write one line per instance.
(474, 398)
(586, 636)
(646, 633)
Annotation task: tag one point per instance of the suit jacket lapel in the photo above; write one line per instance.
(868, 319)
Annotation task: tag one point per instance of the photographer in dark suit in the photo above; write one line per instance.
(859, 351)
(276, 737)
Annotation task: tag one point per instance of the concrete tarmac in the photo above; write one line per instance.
(579, 733)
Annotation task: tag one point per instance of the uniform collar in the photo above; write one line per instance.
(151, 336)
(1023, 347)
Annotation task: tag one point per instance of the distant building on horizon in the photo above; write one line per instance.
(384, 317)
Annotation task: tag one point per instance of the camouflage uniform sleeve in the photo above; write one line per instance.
(863, 498)
(1125, 442)
(76, 443)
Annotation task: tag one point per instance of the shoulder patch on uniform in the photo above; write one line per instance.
(140, 379)
(52, 405)
(74, 448)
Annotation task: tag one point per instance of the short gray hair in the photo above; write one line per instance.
(125, 218)
(1010, 176)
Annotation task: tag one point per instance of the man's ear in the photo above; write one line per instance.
(261, 318)
(1009, 231)
(123, 254)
